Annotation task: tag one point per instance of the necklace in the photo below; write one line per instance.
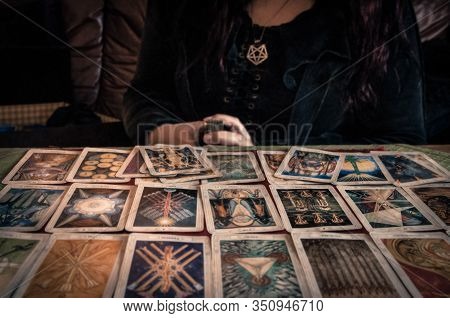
(257, 52)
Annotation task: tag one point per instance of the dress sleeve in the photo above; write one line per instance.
(151, 99)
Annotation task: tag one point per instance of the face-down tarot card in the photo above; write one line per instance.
(92, 208)
(42, 166)
(346, 265)
(172, 208)
(239, 209)
(387, 208)
(422, 261)
(166, 266)
(257, 266)
(75, 266)
(313, 208)
(17, 254)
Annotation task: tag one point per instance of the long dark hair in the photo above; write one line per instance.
(370, 24)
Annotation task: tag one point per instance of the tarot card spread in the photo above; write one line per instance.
(257, 267)
(237, 167)
(98, 165)
(434, 198)
(386, 208)
(173, 160)
(403, 170)
(360, 168)
(76, 265)
(165, 267)
(270, 162)
(17, 251)
(309, 165)
(313, 208)
(239, 209)
(91, 208)
(422, 262)
(42, 167)
(346, 266)
(173, 209)
(27, 208)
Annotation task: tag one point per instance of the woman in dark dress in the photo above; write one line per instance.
(278, 72)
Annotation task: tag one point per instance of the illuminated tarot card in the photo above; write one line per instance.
(257, 266)
(360, 168)
(270, 162)
(42, 166)
(131, 167)
(236, 167)
(173, 208)
(346, 265)
(387, 208)
(422, 261)
(435, 199)
(98, 165)
(166, 266)
(403, 170)
(239, 209)
(17, 254)
(75, 266)
(313, 208)
(26, 208)
(309, 165)
(92, 208)
(167, 160)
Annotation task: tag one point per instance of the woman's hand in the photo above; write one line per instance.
(238, 136)
(176, 134)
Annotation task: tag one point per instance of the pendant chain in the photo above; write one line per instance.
(270, 20)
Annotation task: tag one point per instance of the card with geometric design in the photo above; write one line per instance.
(17, 254)
(26, 208)
(239, 209)
(387, 208)
(434, 198)
(131, 166)
(166, 266)
(346, 265)
(360, 168)
(257, 266)
(422, 261)
(98, 165)
(313, 208)
(309, 165)
(172, 208)
(42, 166)
(92, 208)
(75, 266)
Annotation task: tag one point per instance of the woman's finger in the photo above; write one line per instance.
(234, 122)
(226, 138)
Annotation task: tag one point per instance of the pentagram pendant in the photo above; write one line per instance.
(257, 53)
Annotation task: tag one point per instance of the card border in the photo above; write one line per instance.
(121, 172)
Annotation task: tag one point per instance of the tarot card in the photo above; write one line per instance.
(346, 265)
(313, 208)
(360, 168)
(208, 174)
(131, 167)
(435, 199)
(257, 266)
(422, 261)
(98, 165)
(404, 170)
(26, 208)
(166, 266)
(166, 160)
(17, 253)
(236, 167)
(172, 208)
(92, 208)
(309, 165)
(239, 209)
(157, 182)
(387, 208)
(75, 266)
(42, 166)
(270, 162)
(425, 160)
